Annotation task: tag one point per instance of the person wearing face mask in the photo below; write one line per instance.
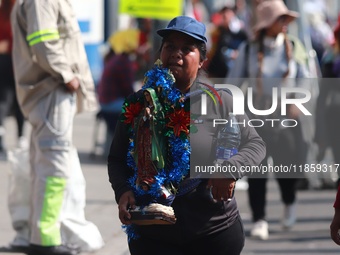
(207, 217)
(271, 61)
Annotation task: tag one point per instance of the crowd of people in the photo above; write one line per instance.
(266, 55)
(149, 123)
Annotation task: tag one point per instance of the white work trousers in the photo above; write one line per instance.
(52, 155)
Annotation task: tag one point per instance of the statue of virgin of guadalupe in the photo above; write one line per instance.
(150, 150)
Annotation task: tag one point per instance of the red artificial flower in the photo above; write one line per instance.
(132, 111)
(179, 121)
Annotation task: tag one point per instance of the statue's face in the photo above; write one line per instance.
(147, 97)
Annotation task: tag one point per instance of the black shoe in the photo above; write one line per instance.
(20, 249)
(14, 249)
(52, 250)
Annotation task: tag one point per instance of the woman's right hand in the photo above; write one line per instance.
(126, 201)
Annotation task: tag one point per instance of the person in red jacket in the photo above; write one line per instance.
(335, 225)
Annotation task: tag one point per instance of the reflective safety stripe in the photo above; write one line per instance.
(53, 200)
(42, 36)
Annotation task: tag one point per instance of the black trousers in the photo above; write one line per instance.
(286, 147)
(227, 242)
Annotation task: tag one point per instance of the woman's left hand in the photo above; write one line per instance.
(126, 201)
(221, 188)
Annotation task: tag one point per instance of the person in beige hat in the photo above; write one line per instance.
(270, 61)
(271, 13)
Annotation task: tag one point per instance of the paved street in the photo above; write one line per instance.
(309, 236)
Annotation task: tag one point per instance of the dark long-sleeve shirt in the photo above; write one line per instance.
(196, 213)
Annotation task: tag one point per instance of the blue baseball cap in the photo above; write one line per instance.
(186, 25)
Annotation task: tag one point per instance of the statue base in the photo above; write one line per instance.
(154, 214)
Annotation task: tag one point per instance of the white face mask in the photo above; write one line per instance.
(272, 42)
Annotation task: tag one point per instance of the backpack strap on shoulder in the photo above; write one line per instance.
(299, 51)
